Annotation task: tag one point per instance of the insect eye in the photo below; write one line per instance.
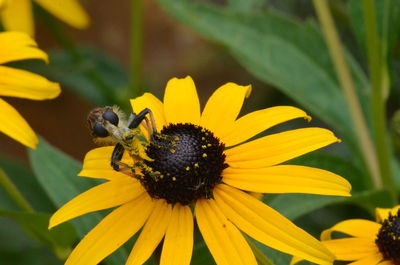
(111, 117)
(99, 131)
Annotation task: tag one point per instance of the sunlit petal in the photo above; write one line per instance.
(287, 179)
(226, 243)
(24, 84)
(69, 11)
(17, 16)
(154, 104)
(258, 121)
(353, 248)
(15, 126)
(113, 231)
(19, 46)
(383, 213)
(223, 107)
(277, 148)
(181, 103)
(178, 242)
(353, 227)
(103, 196)
(268, 226)
(152, 233)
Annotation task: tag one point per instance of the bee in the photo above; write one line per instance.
(108, 126)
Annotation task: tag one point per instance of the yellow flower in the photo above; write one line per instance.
(16, 46)
(210, 168)
(371, 242)
(17, 14)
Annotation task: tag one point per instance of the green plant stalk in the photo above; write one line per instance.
(260, 257)
(13, 192)
(337, 54)
(136, 52)
(376, 65)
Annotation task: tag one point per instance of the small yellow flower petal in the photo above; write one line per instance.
(19, 46)
(353, 248)
(224, 240)
(154, 104)
(181, 103)
(258, 121)
(103, 196)
(353, 227)
(152, 233)
(17, 16)
(383, 213)
(277, 148)
(266, 225)
(97, 164)
(385, 262)
(287, 179)
(223, 107)
(370, 260)
(24, 84)
(15, 126)
(113, 231)
(178, 242)
(69, 11)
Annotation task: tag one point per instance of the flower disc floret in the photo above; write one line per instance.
(187, 163)
(388, 238)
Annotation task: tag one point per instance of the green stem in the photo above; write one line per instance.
(136, 51)
(260, 257)
(13, 192)
(378, 103)
(337, 54)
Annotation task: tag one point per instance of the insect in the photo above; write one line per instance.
(108, 126)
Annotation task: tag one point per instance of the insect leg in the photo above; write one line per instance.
(137, 119)
(116, 156)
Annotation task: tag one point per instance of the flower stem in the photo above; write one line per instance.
(136, 46)
(376, 65)
(13, 192)
(336, 50)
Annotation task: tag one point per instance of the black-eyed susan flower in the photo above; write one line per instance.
(201, 161)
(17, 15)
(371, 242)
(16, 46)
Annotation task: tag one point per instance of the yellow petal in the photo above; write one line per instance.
(266, 225)
(386, 262)
(353, 248)
(178, 242)
(69, 11)
(19, 46)
(151, 234)
(258, 121)
(224, 240)
(370, 260)
(97, 164)
(154, 104)
(103, 196)
(15, 126)
(287, 179)
(113, 231)
(223, 107)
(353, 227)
(277, 148)
(23, 84)
(383, 213)
(181, 103)
(17, 16)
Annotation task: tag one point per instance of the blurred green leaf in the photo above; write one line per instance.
(60, 238)
(282, 51)
(57, 173)
(247, 5)
(24, 179)
(95, 77)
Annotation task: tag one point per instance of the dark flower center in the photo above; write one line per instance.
(187, 163)
(388, 239)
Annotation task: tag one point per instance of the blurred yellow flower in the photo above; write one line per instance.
(16, 46)
(203, 161)
(17, 15)
(370, 243)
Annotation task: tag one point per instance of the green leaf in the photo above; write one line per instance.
(281, 51)
(57, 174)
(60, 238)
